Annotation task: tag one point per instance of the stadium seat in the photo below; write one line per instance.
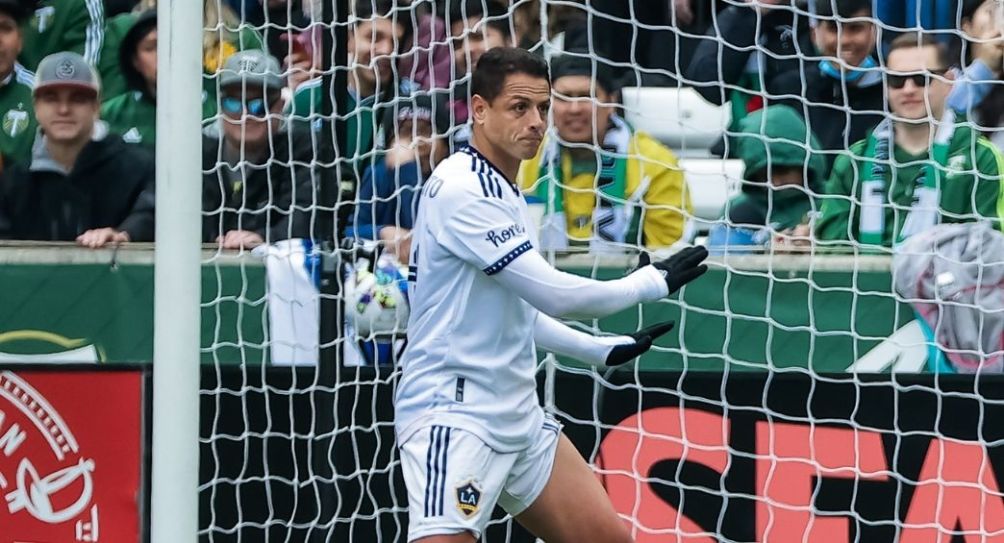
(678, 117)
(712, 181)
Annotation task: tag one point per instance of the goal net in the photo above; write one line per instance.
(829, 378)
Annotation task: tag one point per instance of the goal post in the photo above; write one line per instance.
(177, 276)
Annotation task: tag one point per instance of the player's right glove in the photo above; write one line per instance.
(643, 339)
(679, 269)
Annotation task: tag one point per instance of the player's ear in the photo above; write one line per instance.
(479, 107)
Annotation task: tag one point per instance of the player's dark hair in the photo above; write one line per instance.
(497, 64)
(493, 14)
(912, 40)
(843, 9)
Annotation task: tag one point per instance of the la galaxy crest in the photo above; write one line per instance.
(468, 497)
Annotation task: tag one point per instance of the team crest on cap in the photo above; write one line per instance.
(66, 69)
(249, 64)
(468, 498)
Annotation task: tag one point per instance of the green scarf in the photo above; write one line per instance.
(612, 218)
(874, 184)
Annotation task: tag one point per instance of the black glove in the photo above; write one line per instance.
(679, 269)
(643, 339)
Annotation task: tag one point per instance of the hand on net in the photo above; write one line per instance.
(679, 269)
(643, 339)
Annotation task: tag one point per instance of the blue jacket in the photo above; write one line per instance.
(385, 198)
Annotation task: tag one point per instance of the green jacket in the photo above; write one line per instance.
(776, 136)
(17, 116)
(362, 122)
(972, 187)
(133, 113)
(133, 116)
(113, 81)
(64, 25)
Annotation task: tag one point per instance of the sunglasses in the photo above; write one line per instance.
(920, 80)
(256, 107)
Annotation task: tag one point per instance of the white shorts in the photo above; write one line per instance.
(454, 479)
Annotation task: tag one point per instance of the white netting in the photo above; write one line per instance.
(770, 413)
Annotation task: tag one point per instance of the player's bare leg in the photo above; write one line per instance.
(573, 507)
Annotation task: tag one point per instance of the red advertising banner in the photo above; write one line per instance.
(71, 455)
(705, 457)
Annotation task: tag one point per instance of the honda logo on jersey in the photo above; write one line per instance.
(504, 235)
(468, 496)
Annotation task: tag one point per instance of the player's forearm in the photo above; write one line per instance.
(555, 337)
(561, 294)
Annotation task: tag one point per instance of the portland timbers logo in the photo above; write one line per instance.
(15, 122)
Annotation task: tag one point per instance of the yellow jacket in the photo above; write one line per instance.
(666, 203)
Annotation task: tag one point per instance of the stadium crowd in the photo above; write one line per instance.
(857, 122)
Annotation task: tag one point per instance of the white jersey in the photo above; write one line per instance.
(470, 361)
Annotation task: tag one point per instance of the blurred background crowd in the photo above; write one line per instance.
(747, 125)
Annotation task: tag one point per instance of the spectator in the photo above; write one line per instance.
(475, 27)
(259, 184)
(843, 95)
(388, 196)
(979, 94)
(302, 62)
(916, 169)
(113, 82)
(733, 55)
(223, 36)
(601, 182)
(17, 119)
(82, 184)
(277, 21)
(782, 170)
(133, 115)
(373, 39)
(63, 25)
(428, 61)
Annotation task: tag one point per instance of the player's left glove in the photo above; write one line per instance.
(643, 339)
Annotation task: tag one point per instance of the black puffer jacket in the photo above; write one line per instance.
(274, 197)
(724, 52)
(838, 115)
(111, 185)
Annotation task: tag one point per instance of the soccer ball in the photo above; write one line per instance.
(376, 302)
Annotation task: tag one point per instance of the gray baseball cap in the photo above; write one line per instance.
(253, 68)
(66, 69)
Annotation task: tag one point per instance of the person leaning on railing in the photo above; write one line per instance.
(82, 184)
(921, 167)
(259, 183)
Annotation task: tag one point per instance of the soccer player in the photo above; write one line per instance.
(469, 427)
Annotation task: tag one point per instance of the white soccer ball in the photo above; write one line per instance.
(376, 302)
